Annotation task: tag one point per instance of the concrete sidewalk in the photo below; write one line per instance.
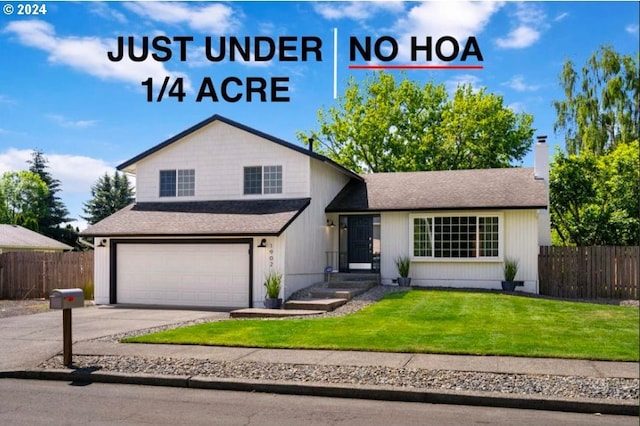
(487, 364)
(36, 338)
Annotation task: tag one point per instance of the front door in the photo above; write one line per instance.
(360, 243)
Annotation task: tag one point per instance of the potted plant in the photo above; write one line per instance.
(510, 269)
(403, 264)
(272, 284)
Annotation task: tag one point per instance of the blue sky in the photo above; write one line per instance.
(60, 93)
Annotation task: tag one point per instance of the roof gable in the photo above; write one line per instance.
(507, 188)
(219, 118)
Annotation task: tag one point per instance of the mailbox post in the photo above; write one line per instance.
(66, 299)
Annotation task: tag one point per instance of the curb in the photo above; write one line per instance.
(591, 406)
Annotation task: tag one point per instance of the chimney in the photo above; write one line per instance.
(541, 159)
(310, 144)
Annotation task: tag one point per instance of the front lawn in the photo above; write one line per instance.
(452, 322)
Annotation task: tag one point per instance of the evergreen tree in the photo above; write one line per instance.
(110, 194)
(56, 212)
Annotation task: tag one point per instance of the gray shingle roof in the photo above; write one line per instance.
(211, 218)
(17, 237)
(443, 190)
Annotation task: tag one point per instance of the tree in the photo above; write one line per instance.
(595, 200)
(110, 194)
(23, 195)
(56, 212)
(383, 125)
(602, 102)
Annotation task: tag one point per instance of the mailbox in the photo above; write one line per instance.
(66, 298)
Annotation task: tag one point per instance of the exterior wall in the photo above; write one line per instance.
(101, 272)
(218, 153)
(520, 240)
(263, 258)
(309, 238)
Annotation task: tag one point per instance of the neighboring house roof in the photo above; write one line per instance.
(14, 237)
(510, 188)
(198, 218)
(127, 164)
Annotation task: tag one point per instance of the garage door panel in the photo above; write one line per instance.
(215, 275)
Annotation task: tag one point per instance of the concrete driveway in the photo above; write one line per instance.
(28, 340)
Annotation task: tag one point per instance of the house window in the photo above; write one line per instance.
(455, 237)
(167, 183)
(186, 182)
(263, 180)
(422, 236)
(180, 182)
(253, 180)
(273, 179)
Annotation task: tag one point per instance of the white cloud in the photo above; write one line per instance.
(459, 19)
(4, 99)
(517, 83)
(530, 21)
(357, 10)
(463, 80)
(77, 173)
(520, 37)
(518, 107)
(560, 17)
(88, 54)
(210, 18)
(65, 122)
(632, 28)
(103, 10)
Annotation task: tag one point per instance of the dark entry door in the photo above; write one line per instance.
(360, 251)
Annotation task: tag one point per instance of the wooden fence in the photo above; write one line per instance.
(610, 272)
(30, 275)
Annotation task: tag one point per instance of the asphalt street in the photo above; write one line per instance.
(26, 402)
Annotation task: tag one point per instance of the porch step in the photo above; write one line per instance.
(337, 293)
(352, 284)
(325, 305)
(363, 276)
(272, 313)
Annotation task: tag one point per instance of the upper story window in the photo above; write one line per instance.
(263, 180)
(177, 182)
(455, 237)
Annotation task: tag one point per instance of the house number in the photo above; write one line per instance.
(271, 256)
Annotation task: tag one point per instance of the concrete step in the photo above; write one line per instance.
(342, 284)
(273, 313)
(348, 276)
(315, 304)
(336, 293)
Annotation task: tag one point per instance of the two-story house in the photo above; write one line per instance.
(220, 204)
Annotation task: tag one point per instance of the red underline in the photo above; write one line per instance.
(416, 67)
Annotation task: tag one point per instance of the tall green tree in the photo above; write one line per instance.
(384, 125)
(56, 212)
(601, 105)
(596, 200)
(23, 195)
(110, 194)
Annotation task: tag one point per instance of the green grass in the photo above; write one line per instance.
(448, 322)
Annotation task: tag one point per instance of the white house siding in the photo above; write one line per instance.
(101, 272)
(520, 239)
(218, 153)
(265, 258)
(309, 238)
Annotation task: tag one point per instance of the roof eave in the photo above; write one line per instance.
(442, 208)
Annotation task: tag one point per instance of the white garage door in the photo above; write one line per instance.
(211, 275)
